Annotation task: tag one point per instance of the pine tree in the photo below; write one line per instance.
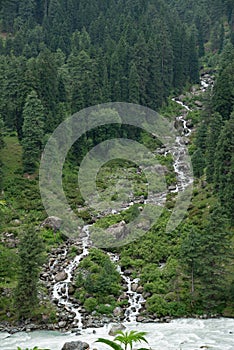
(214, 130)
(134, 85)
(223, 95)
(9, 12)
(33, 131)
(201, 135)
(215, 243)
(30, 261)
(27, 11)
(193, 59)
(198, 163)
(1, 146)
(141, 59)
(189, 254)
(223, 170)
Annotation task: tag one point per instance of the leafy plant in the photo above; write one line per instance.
(126, 339)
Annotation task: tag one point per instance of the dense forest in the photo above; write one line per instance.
(58, 57)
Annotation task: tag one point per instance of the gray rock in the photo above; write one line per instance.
(198, 103)
(75, 345)
(172, 188)
(119, 231)
(115, 328)
(52, 222)
(134, 287)
(140, 318)
(117, 311)
(62, 324)
(140, 289)
(61, 276)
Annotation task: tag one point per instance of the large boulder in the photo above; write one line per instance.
(52, 222)
(61, 276)
(116, 328)
(75, 345)
(119, 230)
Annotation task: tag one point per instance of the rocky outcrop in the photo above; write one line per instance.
(75, 345)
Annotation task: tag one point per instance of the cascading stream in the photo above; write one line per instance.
(60, 289)
(135, 299)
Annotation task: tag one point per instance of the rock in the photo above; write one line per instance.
(52, 222)
(172, 188)
(134, 287)
(71, 290)
(117, 311)
(75, 345)
(198, 103)
(161, 151)
(140, 318)
(62, 324)
(147, 295)
(17, 222)
(61, 276)
(115, 328)
(140, 290)
(119, 231)
(189, 123)
(181, 98)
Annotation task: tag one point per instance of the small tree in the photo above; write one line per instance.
(126, 339)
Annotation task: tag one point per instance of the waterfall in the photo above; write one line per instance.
(61, 290)
(135, 299)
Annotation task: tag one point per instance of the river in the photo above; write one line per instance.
(180, 334)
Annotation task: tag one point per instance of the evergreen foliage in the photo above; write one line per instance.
(30, 261)
(33, 132)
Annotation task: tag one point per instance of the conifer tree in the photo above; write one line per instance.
(198, 163)
(215, 243)
(214, 130)
(134, 84)
(223, 174)
(189, 254)
(223, 95)
(1, 146)
(30, 261)
(193, 59)
(33, 131)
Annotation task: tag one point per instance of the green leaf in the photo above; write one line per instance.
(110, 343)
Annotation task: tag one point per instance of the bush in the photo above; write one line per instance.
(90, 304)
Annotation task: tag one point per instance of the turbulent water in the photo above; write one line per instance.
(181, 334)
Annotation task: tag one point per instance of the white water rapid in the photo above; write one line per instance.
(60, 289)
(180, 334)
(135, 299)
